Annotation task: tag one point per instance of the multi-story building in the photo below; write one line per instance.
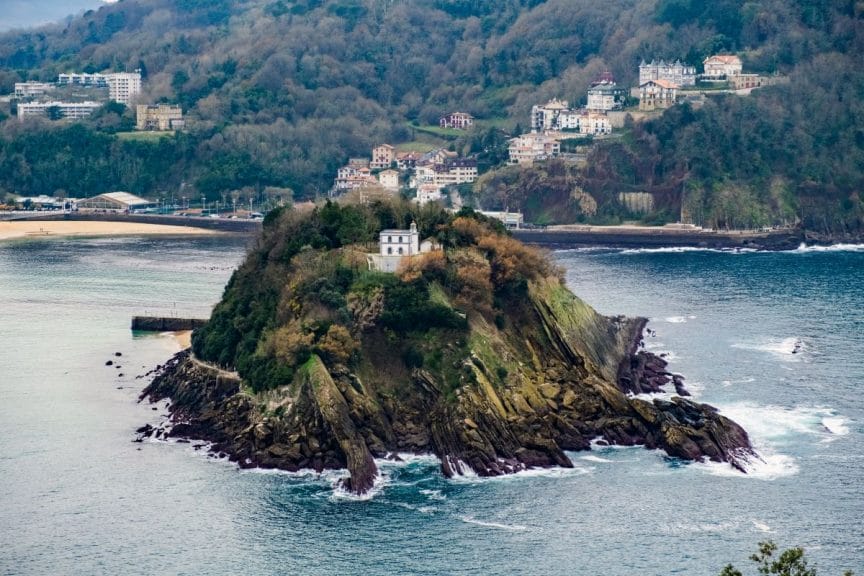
(31, 89)
(124, 87)
(534, 147)
(160, 117)
(428, 193)
(457, 120)
(82, 79)
(389, 179)
(674, 72)
(657, 94)
(68, 110)
(383, 156)
(353, 178)
(545, 116)
(721, 67)
(585, 122)
(605, 95)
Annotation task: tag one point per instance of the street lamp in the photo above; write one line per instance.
(203, 204)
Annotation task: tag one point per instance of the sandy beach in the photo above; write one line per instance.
(42, 229)
(183, 338)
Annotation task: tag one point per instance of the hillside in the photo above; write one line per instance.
(475, 352)
(281, 93)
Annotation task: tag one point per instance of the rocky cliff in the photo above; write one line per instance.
(476, 353)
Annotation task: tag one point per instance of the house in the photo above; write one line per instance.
(545, 116)
(395, 246)
(457, 120)
(31, 89)
(657, 95)
(161, 117)
(721, 67)
(585, 122)
(605, 95)
(675, 72)
(428, 193)
(358, 163)
(389, 179)
(353, 178)
(407, 160)
(68, 110)
(530, 148)
(747, 81)
(383, 156)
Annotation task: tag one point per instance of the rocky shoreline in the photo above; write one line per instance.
(210, 405)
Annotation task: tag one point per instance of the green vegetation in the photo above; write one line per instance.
(305, 289)
(280, 94)
(791, 562)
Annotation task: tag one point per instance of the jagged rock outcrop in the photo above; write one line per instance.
(483, 390)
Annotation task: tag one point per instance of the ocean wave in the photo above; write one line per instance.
(761, 526)
(766, 465)
(471, 477)
(497, 525)
(686, 249)
(772, 422)
(433, 494)
(804, 249)
(789, 349)
(592, 458)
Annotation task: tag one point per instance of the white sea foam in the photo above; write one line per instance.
(733, 382)
(676, 319)
(775, 422)
(497, 525)
(668, 250)
(761, 526)
(471, 477)
(788, 349)
(433, 494)
(592, 458)
(804, 249)
(836, 425)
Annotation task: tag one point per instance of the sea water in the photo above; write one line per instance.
(772, 339)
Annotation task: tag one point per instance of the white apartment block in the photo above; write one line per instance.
(545, 116)
(69, 110)
(721, 66)
(124, 87)
(605, 96)
(530, 148)
(82, 79)
(674, 72)
(31, 89)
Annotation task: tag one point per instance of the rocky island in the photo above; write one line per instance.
(472, 349)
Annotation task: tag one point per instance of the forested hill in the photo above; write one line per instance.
(280, 93)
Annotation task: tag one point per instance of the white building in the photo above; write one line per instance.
(509, 219)
(675, 72)
(82, 79)
(383, 156)
(605, 96)
(428, 193)
(30, 89)
(721, 67)
(124, 87)
(545, 116)
(585, 122)
(457, 120)
(395, 246)
(530, 148)
(69, 110)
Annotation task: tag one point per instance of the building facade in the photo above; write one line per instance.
(31, 89)
(389, 179)
(67, 110)
(530, 148)
(399, 242)
(545, 116)
(124, 87)
(383, 156)
(657, 95)
(721, 67)
(674, 72)
(161, 117)
(605, 96)
(457, 120)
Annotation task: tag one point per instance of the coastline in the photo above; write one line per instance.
(660, 237)
(17, 229)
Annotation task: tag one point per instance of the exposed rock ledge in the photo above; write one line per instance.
(335, 424)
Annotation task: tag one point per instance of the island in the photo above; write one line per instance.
(362, 331)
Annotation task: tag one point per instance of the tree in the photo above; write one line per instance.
(790, 563)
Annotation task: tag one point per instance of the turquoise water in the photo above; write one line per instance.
(79, 497)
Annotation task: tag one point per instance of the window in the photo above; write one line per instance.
(400, 250)
(389, 250)
(389, 239)
(400, 239)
